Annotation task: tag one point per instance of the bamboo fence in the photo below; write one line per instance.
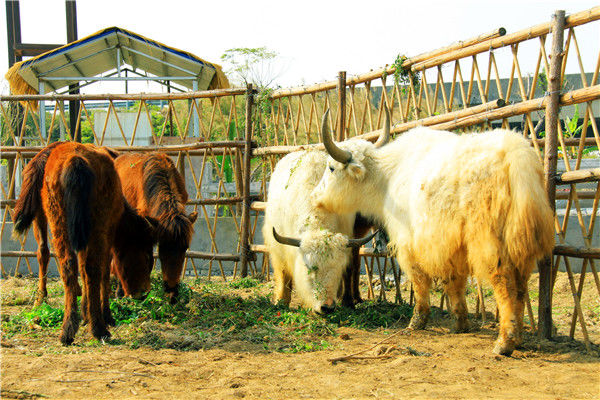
(227, 142)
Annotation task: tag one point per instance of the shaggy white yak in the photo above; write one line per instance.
(453, 206)
(314, 263)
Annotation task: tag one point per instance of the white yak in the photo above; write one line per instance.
(453, 206)
(315, 262)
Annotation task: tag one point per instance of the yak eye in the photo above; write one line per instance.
(331, 168)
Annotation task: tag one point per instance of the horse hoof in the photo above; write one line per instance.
(504, 348)
(110, 321)
(66, 340)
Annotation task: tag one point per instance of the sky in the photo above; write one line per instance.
(315, 39)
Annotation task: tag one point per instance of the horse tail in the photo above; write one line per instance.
(78, 182)
(30, 198)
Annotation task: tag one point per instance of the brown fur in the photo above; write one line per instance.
(49, 177)
(152, 185)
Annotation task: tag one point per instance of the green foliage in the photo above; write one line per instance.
(244, 283)
(371, 315)
(44, 316)
(404, 76)
(251, 65)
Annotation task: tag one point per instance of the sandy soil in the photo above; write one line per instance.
(428, 364)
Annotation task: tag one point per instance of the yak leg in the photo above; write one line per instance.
(505, 291)
(283, 285)
(351, 294)
(455, 289)
(68, 273)
(92, 262)
(521, 283)
(421, 284)
(40, 231)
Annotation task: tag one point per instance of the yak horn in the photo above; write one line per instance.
(286, 240)
(335, 152)
(385, 136)
(360, 242)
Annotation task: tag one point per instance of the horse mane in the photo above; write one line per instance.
(29, 202)
(167, 202)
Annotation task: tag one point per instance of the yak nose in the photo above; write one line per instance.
(141, 296)
(327, 309)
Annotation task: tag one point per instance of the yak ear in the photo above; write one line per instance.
(193, 216)
(356, 170)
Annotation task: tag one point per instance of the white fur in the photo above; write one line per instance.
(316, 267)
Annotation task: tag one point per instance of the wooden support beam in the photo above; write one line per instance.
(550, 159)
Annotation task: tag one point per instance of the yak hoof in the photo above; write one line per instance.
(504, 348)
(418, 321)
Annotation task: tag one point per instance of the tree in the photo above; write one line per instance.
(252, 65)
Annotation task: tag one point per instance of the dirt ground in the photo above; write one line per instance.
(433, 363)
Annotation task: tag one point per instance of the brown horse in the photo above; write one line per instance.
(75, 189)
(152, 185)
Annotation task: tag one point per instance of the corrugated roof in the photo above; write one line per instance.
(97, 53)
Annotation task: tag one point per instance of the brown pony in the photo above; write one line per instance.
(152, 185)
(75, 188)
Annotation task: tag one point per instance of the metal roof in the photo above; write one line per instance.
(109, 49)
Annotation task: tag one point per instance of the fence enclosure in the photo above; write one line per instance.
(227, 142)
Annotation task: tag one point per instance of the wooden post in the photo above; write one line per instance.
(550, 158)
(245, 223)
(341, 87)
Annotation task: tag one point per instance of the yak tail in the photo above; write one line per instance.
(30, 200)
(78, 182)
(529, 227)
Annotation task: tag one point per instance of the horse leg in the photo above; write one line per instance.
(421, 284)
(105, 292)
(92, 263)
(40, 231)
(455, 289)
(505, 290)
(68, 273)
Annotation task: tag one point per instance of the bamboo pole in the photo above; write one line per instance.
(550, 159)
(245, 223)
(341, 88)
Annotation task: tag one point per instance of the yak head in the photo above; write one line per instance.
(322, 258)
(347, 180)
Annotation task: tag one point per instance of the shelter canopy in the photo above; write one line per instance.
(107, 50)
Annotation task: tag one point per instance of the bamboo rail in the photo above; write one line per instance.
(578, 176)
(188, 254)
(449, 53)
(577, 252)
(134, 96)
(571, 21)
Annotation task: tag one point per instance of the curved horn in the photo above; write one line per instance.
(286, 240)
(361, 241)
(385, 135)
(335, 152)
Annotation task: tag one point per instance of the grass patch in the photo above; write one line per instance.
(211, 314)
